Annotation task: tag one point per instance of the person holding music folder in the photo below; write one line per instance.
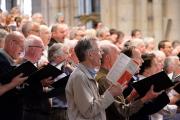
(84, 100)
(10, 99)
(170, 111)
(18, 80)
(119, 109)
(58, 54)
(36, 105)
(148, 68)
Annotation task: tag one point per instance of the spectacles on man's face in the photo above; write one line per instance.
(97, 50)
(36, 46)
(35, 30)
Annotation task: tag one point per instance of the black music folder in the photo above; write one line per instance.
(177, 87)
(27, 68)
(61, 82)
(45, 72)
(58, 87)
(33, 85)
(160, 81)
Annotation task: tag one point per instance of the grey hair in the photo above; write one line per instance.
(101, 31)
(169, 61)
(55, 50)
(73, 32)
(60, 14)
(159, 53)
(3, 34)
(148, 40)
(26, 28)
(136, 42)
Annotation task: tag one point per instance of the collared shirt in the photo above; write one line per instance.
(83, 96)
(59, 101)
(92, 72)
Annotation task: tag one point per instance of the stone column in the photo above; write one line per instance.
(74, 12)
(117, 14)
(158, 20)
(3, 5)
(53, 9)
(125, 18)
(45, 10)
(140, 16)
(105, 14)
(113, 13)
(174, 16)
(36, 6)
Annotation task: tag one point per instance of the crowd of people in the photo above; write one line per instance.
(87, 55)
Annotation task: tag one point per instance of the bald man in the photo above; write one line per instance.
(117, 110)
(36, 105)
(10, 101)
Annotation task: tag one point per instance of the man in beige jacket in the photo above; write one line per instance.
(84, 100)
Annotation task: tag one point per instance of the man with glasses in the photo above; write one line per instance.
(33, 48)
(84, 100)
(36, 106)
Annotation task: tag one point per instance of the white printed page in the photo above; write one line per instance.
(122, 70)
(118, 68)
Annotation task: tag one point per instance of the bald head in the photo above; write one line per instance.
(38, 17)
(45, 34)
(33, 40)
(14, 44)
(14, 36)
(30, 28)
(110, 53)
(33, 48)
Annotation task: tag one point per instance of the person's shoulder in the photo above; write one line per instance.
(75, 78)
(77, 73)
(2, 56)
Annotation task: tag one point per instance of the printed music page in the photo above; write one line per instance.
(122, 70)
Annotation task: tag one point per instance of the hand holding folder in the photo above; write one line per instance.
(45, 72)
(61, 82)
(34, 83)
(27, 68)
(160, 81)
(58, 87)
(40, 74)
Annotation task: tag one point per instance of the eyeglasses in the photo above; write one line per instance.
(35, 30)
(96, 50)
(36, 46)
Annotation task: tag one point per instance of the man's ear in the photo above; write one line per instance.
(11, 43)
(89, 53)
(107, 57)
